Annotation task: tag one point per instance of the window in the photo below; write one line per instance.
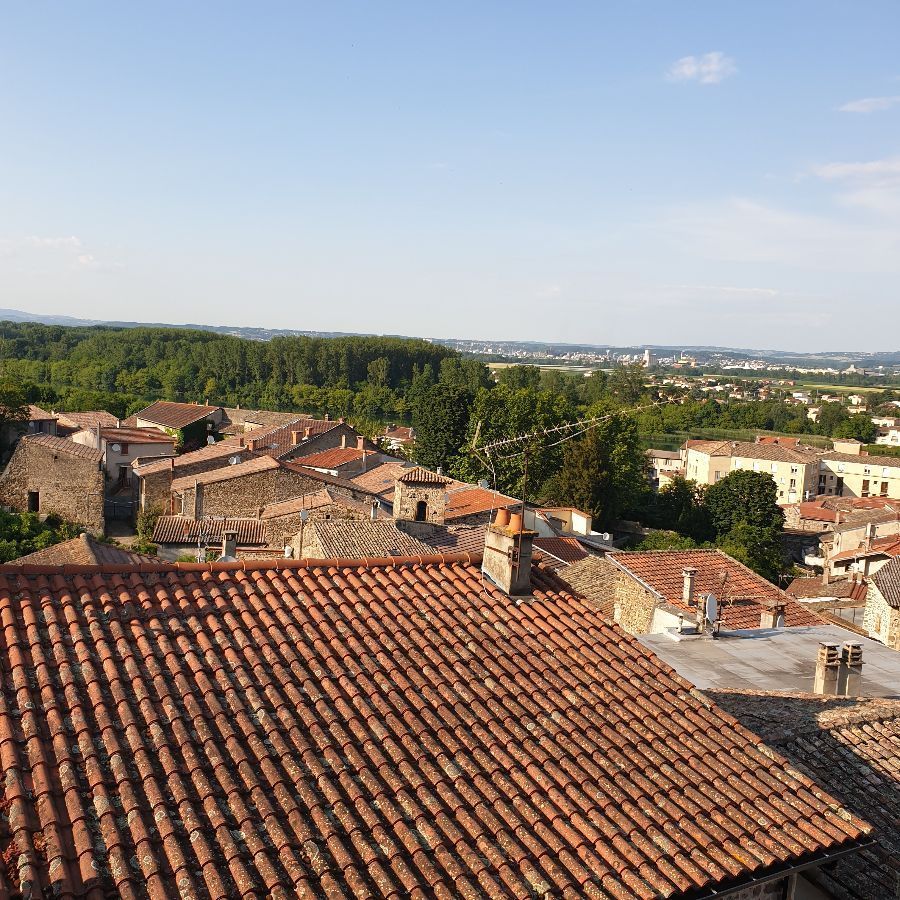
(865, 487)
(793, 484)
(885, 472)
(421, 511)
(867, 470)
(884, 489)
(756, 467)
(840, 467)
(774, 467)
(34, 502)
(795, 470)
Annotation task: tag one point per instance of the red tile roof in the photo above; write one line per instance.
(63, 445)
(380, 480)
(316, 500)
(36, 414)
(565, 549)
(180, 530)
(333, 458)
(886, 546)
(136, 436)
(226, 473)
(392, 728)
(473, 500)
(228, 447)
(420, 475)
(87, 420)
(175, 415)
(840, 589)
(742, 594)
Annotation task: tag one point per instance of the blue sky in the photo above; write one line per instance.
(647, 172)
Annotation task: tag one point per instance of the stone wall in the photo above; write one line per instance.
(881, 620)
(769, 890)
(67, 485)
(245, 495)
(408, 496)
(634, 605)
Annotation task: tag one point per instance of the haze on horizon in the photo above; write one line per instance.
(703, 174)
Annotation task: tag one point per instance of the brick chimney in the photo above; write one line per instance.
(850, 674)
(507, 553)
(828, 666)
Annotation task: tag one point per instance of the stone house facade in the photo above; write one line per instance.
(420, 496)
(48, 474)
(882, 614)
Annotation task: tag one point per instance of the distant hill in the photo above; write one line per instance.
(536, 349)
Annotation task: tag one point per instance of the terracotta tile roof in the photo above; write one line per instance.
(886, 546)
(330, 459)
(84, 550)
(816, 512)
(887, 580)
(87, 420)
(64, 445)
(136, 436)
(472, 500)
(36, 414)
(268, 417)
(401, 433)
(175, 415)
(228, 447)
(380, 480)
(842, 589)
(456, 538)
(275, 440)
(892, 462)
(365, 539)
(226, 473)
(852, 748)
(565, 549)
(419, 475)
(750, 450)
(742, 594)
(180, 530)
(393, 728)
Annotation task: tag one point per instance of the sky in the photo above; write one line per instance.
(632, 173)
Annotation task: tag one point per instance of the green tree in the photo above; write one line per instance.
(757, 548)
(626, 383)
(13, 407)
(679, 506)
(744, 497)
(24, 533)
(440, 418)
(605, 472)
(520, 377)
(666, 540)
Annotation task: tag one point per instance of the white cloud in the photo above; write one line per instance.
(872, 185)
(727, 289)
(869, 104)
(711, 68)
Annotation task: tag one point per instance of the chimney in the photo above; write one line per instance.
(342, 420)
(772, 616)
(360, 443)
(687, 589)
(828, 666)
(373, 514)
(241, 442)
(850, 669)
(295, 438)
(343, 442)
(229, 544)
(327, 417)
(306, 432)
(870, 535)
(507, 553)
(826, 574)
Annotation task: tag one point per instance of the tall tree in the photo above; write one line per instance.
(13, 407)
(605, 472)
(744, 497)
(440, 417)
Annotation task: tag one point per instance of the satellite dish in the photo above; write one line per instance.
(234, 460)
(605, 536)
(116, 448)
(483, 484)
(711, 608)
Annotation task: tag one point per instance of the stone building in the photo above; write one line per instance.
(882, 616)
(420, 496)
(355, 540)
(48, 474)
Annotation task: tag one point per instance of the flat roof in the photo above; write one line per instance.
(772, 659)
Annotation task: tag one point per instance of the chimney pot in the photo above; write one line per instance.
(507, 556)
(501, 519)
(850, 673)
(827, 669)
(229, 544)
(515, 522)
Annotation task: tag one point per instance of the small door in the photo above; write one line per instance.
(34, 502)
